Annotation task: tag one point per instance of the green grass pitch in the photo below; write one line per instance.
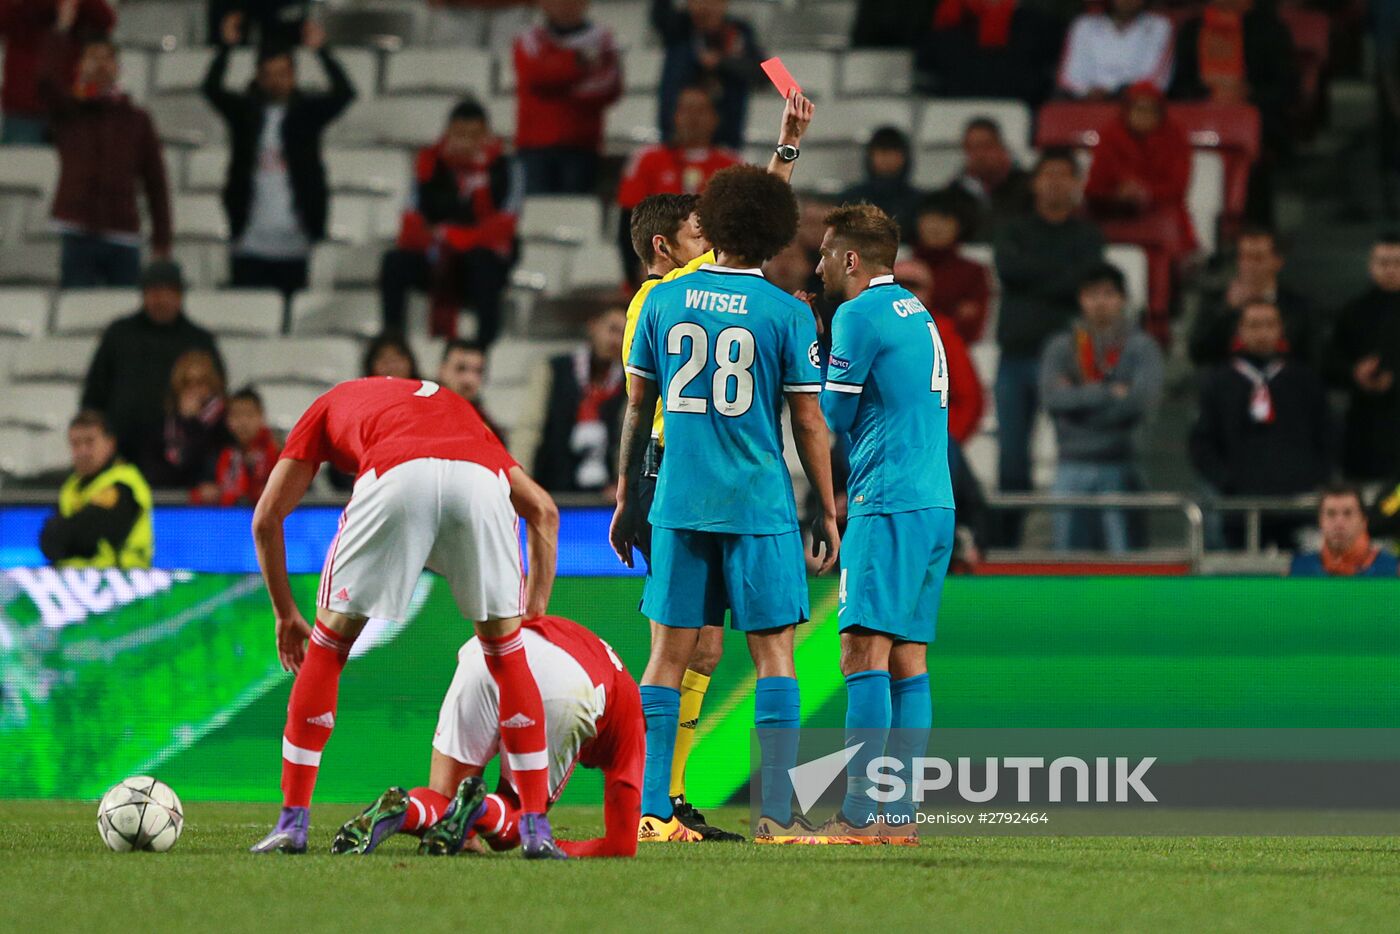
(56, 875)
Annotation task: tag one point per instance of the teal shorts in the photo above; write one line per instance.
(696, 576)
(892, 570)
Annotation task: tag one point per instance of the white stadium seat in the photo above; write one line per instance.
(455, 26)
(852, 121)
(57, 359)
(573, 218)
(1205, 197)
(765, 116)
(181, 70)
(236, 312)
(200, 217)
(285, 404)
(24, 312)
(89, 311)
(877, 71)
(1132, 262)
(354, 313)
(507, 23)
(456, 71)
(29, 169)
(820, 25)
(934, 166)
(597, 264)
(29, 452)
(206, 168)
(29, 263)
(629, 21)
(186, 119)
(943, 122)
(641, 70)
(376, 171)
(552, 261)
(45, 406)
(306, 361)
(631, 122)
(512, 359)
(153, 24)
(403, 121)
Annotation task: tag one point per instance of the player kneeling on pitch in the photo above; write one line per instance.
(435, 489)
(887, 391)
(593, 716)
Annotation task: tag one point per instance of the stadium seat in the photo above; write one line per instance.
(205, 169)
(346, 265)
(813, 25)
(183, 70)
(1205, 198)
(1132, 262)
(200, 217)
(455, 71)
(53, 359)
(934, 166)
(629, 21)
(205, 265)
(641, 70)
(30, 452)
(236, 312)
(943, 121)
(399, 121)
(552, 262)
(371, 171)
(25, 312)
(89, 311)
(504, 25)
(765, 115)
(597, 264)
(351, 313)
(502, 110)
(45, 406)
(29, 263)
(379, 23)
(285, 404)
(156, 24)
(512, 359)
(631, 122)
(877, 71)
(852, 121)
(570, 218)
(824, 169)
(29, 169)
(456, 26)
(302, 361)
(351, 218)
(186, 120)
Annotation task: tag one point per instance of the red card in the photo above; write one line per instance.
(782, 78)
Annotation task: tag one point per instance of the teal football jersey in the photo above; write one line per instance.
(885, 350)
(723, 346)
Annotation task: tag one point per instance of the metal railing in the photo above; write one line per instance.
(1186, 506)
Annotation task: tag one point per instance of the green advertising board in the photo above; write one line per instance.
(107, 674)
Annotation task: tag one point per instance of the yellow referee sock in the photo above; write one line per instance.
(693, 688)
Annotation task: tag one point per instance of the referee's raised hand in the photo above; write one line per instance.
(797, 116)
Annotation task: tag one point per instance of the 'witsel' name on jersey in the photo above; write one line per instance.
(723, 302)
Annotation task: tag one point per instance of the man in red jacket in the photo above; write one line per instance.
(457, 237)
(24, 25)
(107, 148)
(567, 74)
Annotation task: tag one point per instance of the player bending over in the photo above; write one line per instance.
(667, 238)
(723, 347)
(593, 716)
(887, 390)
(434, 488)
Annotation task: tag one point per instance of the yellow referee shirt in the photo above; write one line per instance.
(634, 312)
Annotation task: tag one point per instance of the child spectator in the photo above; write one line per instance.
(389, 355)
(244, 465)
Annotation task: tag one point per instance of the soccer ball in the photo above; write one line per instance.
(140, 814)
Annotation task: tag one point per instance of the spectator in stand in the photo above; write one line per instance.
(184, 457)
(107, 149)
(989, 48)
(129, 376)
(104, 507)
(1264, 427)
(273, 22)
(25, 26)
(880, 24)
(1101, 381)
(705, 46)
(1136, 189)
(1042, 259)
(578, 448)
(1347, 549)
(457, 238)
(1385, 518)
(275, 194)
(567, 74)
(389, 355)
(1240, 52)
(998, 188)
(961, 289)
(245, 464)
(463, 370)
(1116, 48)
(888, 166)
(1259, 259)
(1363, 359)
(682, 166)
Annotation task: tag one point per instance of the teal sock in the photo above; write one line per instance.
(911, 706)
(661, 706)
(868, 706)
(777, 713)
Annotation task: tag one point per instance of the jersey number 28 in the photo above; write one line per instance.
(734, 353)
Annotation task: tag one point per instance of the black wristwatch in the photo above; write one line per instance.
(788, 153)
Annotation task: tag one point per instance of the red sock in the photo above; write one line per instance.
(311, 715)
(499, 824)
(522, 720)
(425, 808)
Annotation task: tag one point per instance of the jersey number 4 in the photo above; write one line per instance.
(940, 366)
(734, 351)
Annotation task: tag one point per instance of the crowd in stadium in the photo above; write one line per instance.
(1071, 342)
